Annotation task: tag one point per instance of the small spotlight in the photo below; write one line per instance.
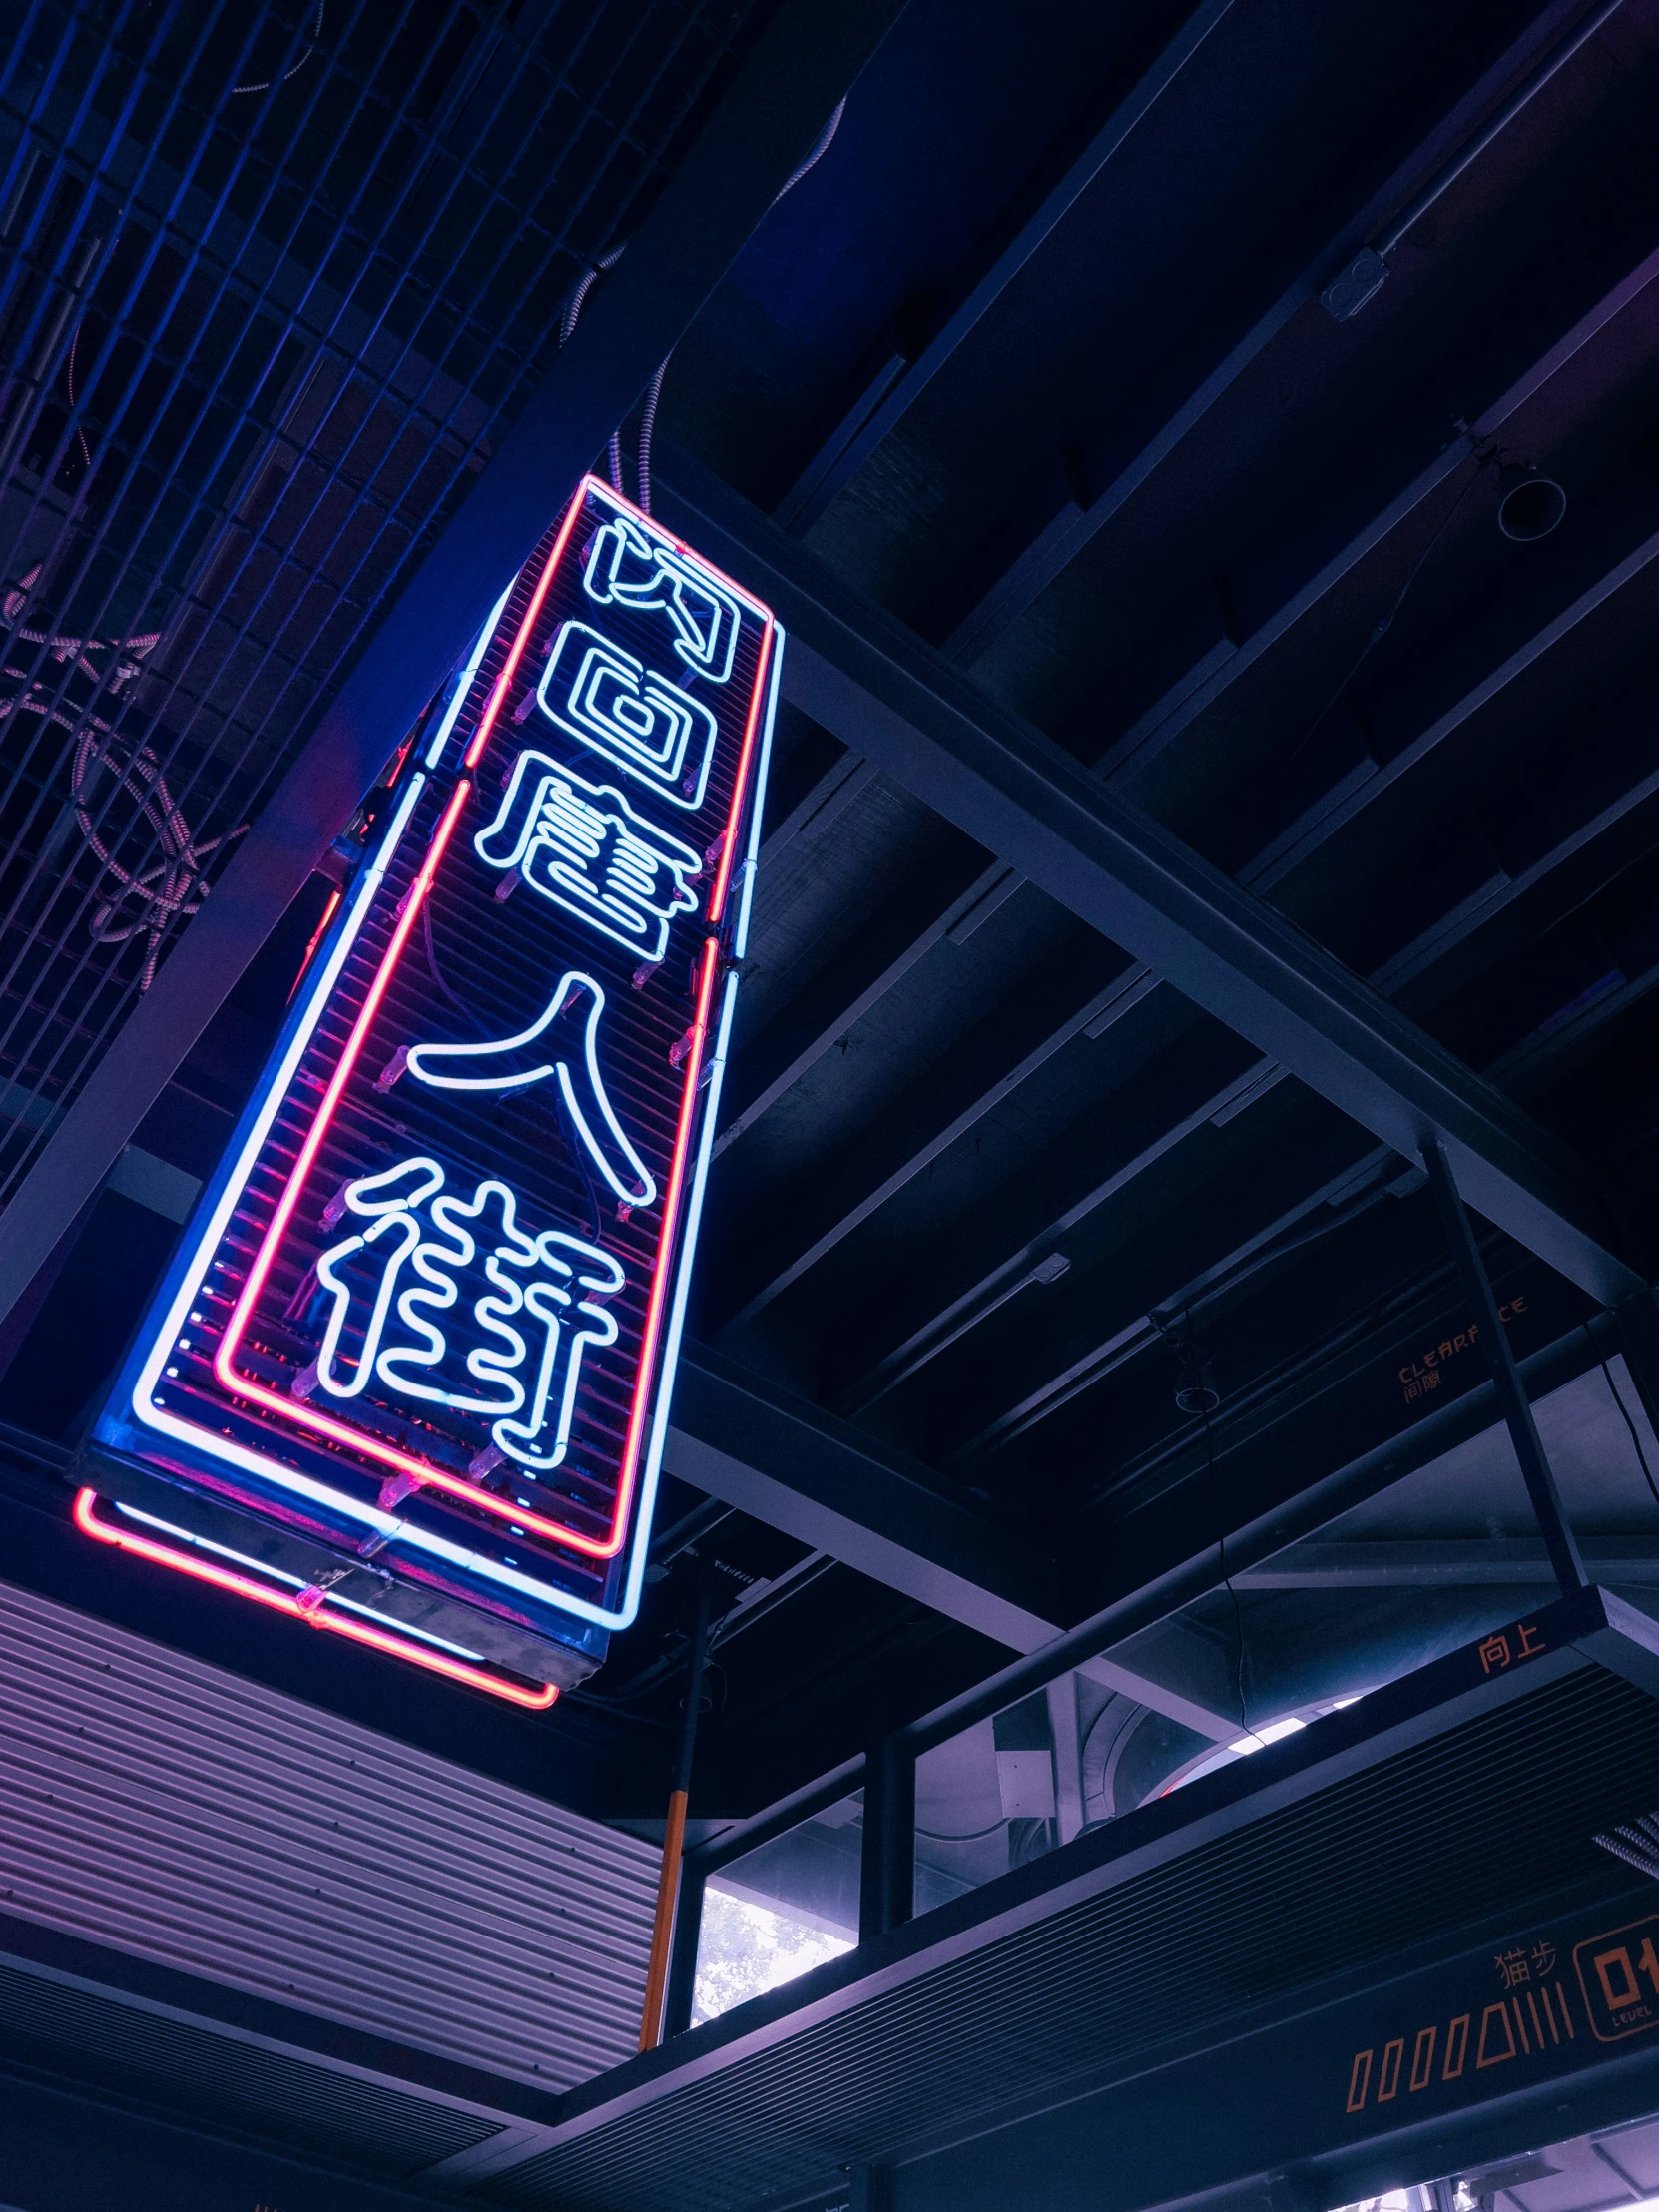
(1531, 506)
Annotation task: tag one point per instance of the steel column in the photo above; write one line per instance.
(682, 1962)
(674, 1830)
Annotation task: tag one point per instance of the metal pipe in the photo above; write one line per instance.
(674, 1833)
(1517, 100)
(1501, 1360)
(1273, 1532)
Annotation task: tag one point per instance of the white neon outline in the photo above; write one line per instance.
(296, 1581)
(670, 1366)
(528, 835)
(605, 560)
(651, 1475)
(437, 1261)
(643, 1191)
(661, 770)
(153, 1416)
(387, 1525)
(434, 752)
(596, 488)
(763, 766)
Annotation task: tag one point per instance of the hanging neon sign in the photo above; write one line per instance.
(410, 1376)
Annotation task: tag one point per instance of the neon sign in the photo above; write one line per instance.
(409, 1375)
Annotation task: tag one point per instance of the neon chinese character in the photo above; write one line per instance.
(1512, 1965)
(1495, 1652)
(1530, 1640)
(643, 724)
(566, 1050)
(582, 846)
(1543, 1959)
(448, 1301)
(625, 568)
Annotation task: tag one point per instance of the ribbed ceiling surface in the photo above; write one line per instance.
(172, 1810)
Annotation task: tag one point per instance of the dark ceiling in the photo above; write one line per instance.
(1035, 358)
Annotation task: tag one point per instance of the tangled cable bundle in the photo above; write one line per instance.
(172, 885)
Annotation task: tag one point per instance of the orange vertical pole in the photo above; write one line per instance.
(674, 1829)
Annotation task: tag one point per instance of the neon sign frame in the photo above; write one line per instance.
(405, 1526)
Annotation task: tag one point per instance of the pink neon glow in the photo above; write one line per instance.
(423, 1472)
(223, 1579)
(295, 1409)
(538, 599)
(331, 1098)
(317, 934)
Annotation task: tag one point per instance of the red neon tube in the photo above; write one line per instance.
(278, 1601)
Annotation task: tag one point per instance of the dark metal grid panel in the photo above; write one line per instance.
(1319, 1889)
(68, 2033)
(254, 343)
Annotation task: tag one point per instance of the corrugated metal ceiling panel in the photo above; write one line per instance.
(167, 1807)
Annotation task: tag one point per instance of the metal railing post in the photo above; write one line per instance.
(682, 1964)
(674, 1829)
(1506, 1382)
(886, 1883)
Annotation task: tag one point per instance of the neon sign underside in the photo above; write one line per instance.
(537, 1696)
(399, 1519)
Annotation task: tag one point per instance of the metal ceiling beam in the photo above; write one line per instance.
(776, 1245)
(1451, 1563)
(899, 384)
(1072, 529)
(862, 674)
(921, 911)
(1167, 716)
(799, 1470)
(1101, 1309)
(962, 1286)
(805, 61)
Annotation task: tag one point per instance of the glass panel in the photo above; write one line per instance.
(780, 1909)
(1039, 1773)
(1051, 1767)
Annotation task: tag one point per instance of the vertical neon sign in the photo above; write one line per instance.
(410, 1376)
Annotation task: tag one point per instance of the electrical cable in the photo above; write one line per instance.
(298, 65)
(173, 886)
(1618, 1401)
(69, 386)
(432, 967)
(654, 390)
